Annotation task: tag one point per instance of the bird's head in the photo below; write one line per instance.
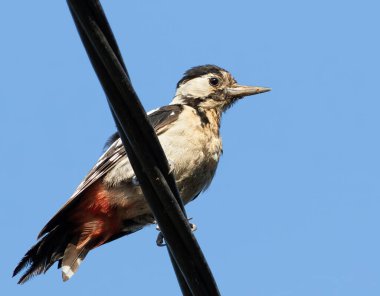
(211, 87)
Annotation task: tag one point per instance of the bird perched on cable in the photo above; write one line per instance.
(109, 203)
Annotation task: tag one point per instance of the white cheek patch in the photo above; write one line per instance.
(197, 87)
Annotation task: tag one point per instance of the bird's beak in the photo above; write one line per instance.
(238, 91)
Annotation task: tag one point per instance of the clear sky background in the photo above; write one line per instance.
(294, 207)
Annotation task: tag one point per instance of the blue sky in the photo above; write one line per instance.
(294, 207)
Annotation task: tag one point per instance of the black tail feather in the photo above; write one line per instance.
(43, 254)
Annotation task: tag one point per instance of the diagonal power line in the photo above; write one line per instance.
(143, 148)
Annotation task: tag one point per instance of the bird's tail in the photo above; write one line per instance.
(67, 245)
(43, 254)
(75, 230)
(93, 234)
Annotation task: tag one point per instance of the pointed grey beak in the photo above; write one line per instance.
(237, 90)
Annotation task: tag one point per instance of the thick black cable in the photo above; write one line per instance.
(110, 89)
(143, 149)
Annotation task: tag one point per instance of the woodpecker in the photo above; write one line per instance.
(109, 203)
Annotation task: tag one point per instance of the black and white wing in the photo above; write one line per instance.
(161, 119)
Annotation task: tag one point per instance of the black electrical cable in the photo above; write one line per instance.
(143, 149)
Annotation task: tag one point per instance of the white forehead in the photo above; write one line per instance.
(197, 87)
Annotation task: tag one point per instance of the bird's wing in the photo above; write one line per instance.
(161, 119)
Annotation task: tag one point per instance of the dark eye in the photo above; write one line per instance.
(213, 81)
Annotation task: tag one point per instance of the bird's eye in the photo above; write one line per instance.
(213, 81)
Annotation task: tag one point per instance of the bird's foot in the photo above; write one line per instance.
(160, 241)
(135, 181)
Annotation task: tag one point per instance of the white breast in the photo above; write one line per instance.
(193, 150)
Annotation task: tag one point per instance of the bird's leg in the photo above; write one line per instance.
(135, 181)
(193, 227)
(160, 241)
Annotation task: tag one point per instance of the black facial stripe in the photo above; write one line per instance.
(218, 95)
(202, 115)
(192, 102)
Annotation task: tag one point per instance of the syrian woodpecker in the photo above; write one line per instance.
(109, 203)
